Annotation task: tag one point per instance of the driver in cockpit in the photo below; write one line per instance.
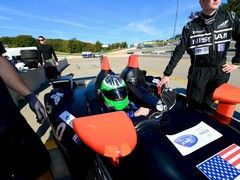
(115, 97)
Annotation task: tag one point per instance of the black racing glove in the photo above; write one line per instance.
(37, 107)
(168, 97)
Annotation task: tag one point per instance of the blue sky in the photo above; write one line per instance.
(108, 21)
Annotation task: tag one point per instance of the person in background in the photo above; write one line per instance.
(22, 153)
(49, 58)
(207, 38)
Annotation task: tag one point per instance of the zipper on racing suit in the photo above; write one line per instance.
(213, 45)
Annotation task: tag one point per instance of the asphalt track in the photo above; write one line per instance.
(154, 65)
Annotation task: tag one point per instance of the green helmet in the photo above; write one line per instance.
(114, 92)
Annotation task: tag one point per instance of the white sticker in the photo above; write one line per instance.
(194, 138)
(201, 50)
(67, 117)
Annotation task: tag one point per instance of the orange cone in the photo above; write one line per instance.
(133, 61)
(105, 64)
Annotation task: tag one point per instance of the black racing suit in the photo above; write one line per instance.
(48, 56)
(47, 52)
(207, 39)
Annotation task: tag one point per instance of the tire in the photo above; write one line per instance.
(29, 54)
(31, 64)
(51, 72)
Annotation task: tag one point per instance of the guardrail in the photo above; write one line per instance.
(164, 49)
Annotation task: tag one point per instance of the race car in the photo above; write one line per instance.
(178, 143)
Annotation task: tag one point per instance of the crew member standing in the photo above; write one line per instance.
(206, 39)
(49, 58)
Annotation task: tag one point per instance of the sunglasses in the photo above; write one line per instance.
(41, 40)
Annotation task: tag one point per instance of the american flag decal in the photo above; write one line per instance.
(223, 165)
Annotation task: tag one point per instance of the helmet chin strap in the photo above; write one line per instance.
(109, 107)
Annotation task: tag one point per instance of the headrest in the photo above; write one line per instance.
(228, 96)
(132, 74)
(227, 93)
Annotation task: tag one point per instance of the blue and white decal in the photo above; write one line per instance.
(221, 47)
(67, 118)
(187, 140)
(201, 50)
(76, 139)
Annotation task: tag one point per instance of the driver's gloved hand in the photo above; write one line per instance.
(37, 107)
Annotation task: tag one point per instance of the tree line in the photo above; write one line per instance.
(232, 5)
(60, 45)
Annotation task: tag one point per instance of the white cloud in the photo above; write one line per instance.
(5, 18)
(71, 23)
(144, 26)
(21, 28)
(5, 9)
(23, 14)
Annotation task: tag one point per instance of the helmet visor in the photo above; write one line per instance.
(116, 94)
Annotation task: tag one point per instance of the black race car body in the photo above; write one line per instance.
(154, 156)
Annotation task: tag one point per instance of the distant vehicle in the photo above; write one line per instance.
(87, 55)
(97, 55)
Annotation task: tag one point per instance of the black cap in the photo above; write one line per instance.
(41, 37)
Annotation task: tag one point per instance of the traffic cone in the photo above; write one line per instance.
(105, 64)
(105, 70)
(133, 61)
